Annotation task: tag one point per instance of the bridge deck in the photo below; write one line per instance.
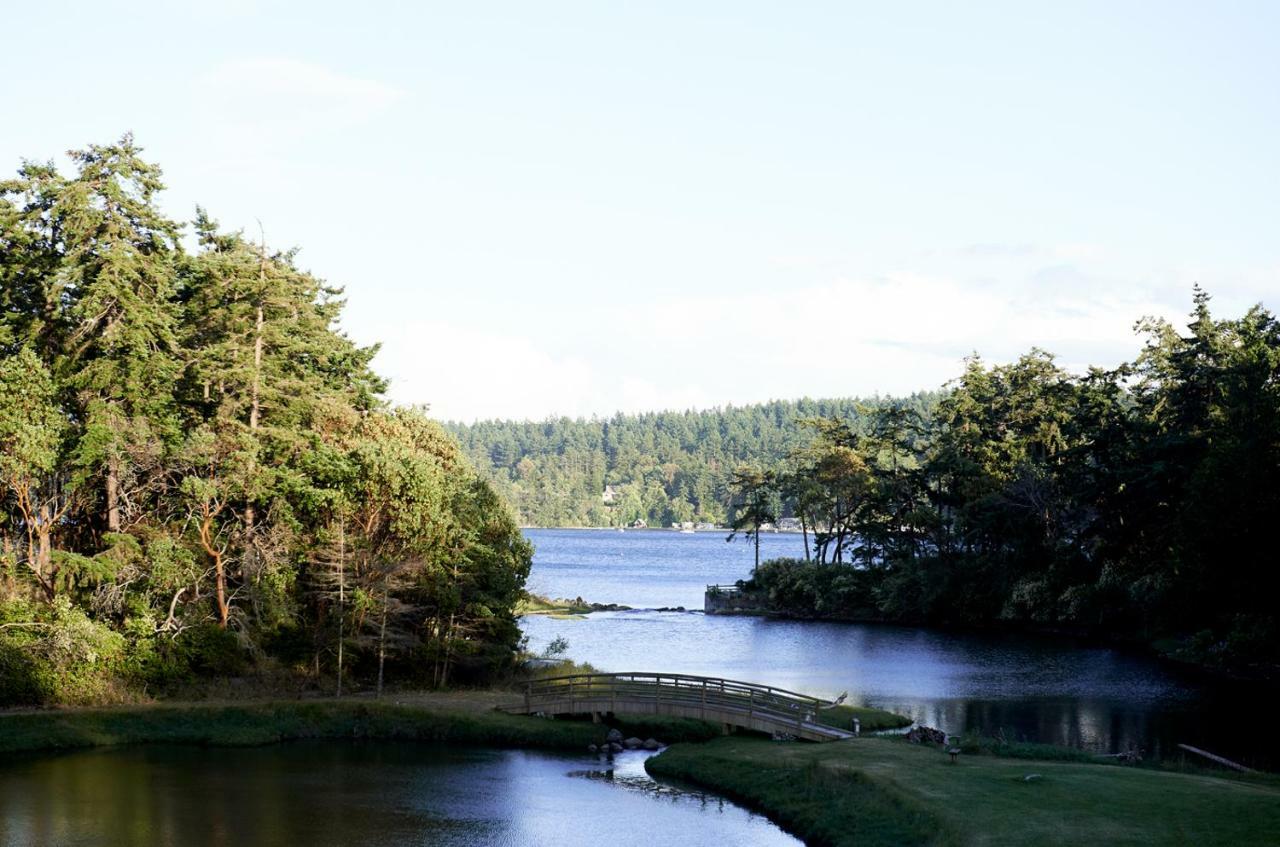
(742, 704)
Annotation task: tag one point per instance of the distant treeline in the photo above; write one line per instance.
(198, 475)
(660, 468)
(1140, 501)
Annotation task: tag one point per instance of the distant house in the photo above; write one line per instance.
(609, 494)
(639, 524)
(789, 525)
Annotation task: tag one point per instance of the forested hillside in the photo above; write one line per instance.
(660, 467)
(198, 475)
(1141, 501)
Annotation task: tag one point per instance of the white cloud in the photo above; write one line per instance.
(277, 100)
(893, 334)
(469, 373)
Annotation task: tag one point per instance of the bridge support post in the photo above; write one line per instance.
(726, 729)
(595, 717)
(528, 686)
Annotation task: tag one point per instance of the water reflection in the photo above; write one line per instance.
(369, 794)
(1044, 689)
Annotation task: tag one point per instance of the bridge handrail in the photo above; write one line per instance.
(732, 588)
(789, 706)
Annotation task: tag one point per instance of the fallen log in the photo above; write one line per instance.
(1215, 758)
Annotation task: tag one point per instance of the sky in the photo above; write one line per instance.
(577, 208)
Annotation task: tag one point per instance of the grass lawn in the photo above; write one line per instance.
(866, 791)
(466, 718)
(872, 720)
(873, 791)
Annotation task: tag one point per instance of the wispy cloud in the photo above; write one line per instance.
(893, 333)
(277, 100)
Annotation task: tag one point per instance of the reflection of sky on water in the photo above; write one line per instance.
(333, 793)
(1037, 688)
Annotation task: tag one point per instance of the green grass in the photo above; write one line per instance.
(867, 791)
(267, 723)
(911, 794)
(535, 604)
(467, 718)
(872, 720)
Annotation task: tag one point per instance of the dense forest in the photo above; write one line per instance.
(1137, 501)
(1140, 501)
(198, 475)
(659, 468)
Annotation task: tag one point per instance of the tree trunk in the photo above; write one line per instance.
(804, 529)
(220, 573)
(448, 652)
(757, 564)
(382, 641)
(44, 551)
(255, 390)
(342, 595)
(113, 494)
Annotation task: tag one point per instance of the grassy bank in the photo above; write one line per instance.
(467, 719)
(887, 792)
(870, 720)
(868, 791)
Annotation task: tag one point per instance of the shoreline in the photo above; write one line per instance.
(869, 791)
(866, 791)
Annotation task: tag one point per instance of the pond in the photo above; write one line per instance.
(1053, 690)
(368, 793)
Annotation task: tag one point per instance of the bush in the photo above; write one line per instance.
(59, 655)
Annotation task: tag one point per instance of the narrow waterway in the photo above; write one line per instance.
(376, 794)
(1045, 689)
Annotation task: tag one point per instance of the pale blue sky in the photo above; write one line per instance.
(581, 207)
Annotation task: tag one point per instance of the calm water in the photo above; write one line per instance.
(1045, 689)
(369, 794)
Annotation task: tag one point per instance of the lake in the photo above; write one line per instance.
(1054, 690)
(369, 793)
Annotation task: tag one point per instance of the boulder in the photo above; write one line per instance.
(926, 735)
(615, 747)
(614, 736)
(591, 748)
(652, 744)
(632, 743)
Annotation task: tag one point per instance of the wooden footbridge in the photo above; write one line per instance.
(725, 701)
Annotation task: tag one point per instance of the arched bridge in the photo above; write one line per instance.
(740, 704)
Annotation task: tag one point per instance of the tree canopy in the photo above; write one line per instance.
(184, 431)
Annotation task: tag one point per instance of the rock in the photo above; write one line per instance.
(651, 744)
(632, 743)
(591, 748)
(926, 735)
(615, 747)
(613, 736)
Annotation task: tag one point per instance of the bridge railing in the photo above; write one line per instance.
(724, 589)
(706, 694)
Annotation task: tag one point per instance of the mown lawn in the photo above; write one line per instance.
(467, 718)
(881, 791)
